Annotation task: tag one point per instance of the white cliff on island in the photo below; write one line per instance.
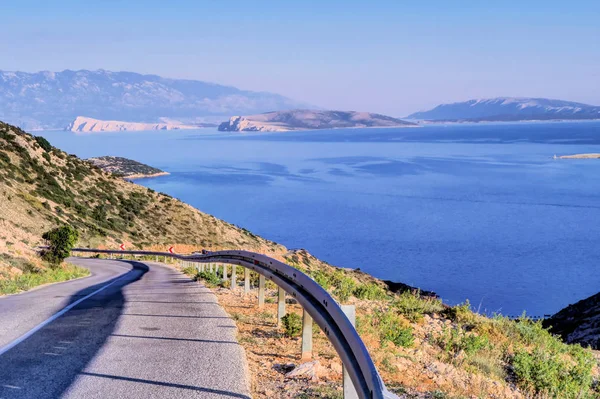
(83, 124)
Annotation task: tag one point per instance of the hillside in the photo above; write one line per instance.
(126, 168)
(82, 124)
(52, 100)
(509, 109)
(300, 119)
(578, 323)
(42, 186)
(421, 346)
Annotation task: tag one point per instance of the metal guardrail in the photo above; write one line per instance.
(315, 300)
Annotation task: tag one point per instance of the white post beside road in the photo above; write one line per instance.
(307, 336)
(349, 390)
(261, 291)
(246, 280)
(280, 305)
(233, 277)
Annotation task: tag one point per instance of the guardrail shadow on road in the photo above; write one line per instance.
(48, 362)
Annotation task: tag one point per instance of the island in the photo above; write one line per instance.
(83, 124)
(126, 168)
(302, 119)
(509, 109)
(580, 156)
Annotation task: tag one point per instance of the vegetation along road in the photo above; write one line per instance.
(148, 332)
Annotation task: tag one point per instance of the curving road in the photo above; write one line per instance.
(150, 332)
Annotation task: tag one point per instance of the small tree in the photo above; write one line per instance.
(292, 324)
(62, 240)
(46, 146)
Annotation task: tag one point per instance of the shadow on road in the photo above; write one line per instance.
(48, 363)
(45, 365)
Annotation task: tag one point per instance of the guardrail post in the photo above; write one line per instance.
(307, 335)
(261, 291)
(349, 390)
(280, 305)
(233, 277)
(224, 272)
(246, 280)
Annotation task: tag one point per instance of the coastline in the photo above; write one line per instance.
(318, 130)
(142, 176)
(580, 156)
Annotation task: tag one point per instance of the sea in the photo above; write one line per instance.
(478, 212)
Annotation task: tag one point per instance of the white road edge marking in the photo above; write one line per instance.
(35, 329)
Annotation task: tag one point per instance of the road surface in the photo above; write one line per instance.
(150, 333)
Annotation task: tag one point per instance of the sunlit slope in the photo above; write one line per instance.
(42, 187)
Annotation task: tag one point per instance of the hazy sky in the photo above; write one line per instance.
(393, 57)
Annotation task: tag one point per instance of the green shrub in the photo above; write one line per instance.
(344, 285)
(370, 291)
(413, 306)
(45, 144)
(394, 329)
(552, 374)
(292, 324)
(322, 278)
(211, 279)
(62, 240)
(461, 313)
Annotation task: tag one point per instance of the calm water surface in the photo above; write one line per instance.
(478, 212)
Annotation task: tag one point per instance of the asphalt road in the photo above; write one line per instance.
(153, 333)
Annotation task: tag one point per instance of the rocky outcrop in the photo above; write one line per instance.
(82, 124)
(581, 156)
(578, 323)
(126, 168)
(300, 119)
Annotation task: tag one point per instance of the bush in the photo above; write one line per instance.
(62, 240)
(321, 278)
(411, 305)
(461, 313)
(292, 324)
(370, 291)
(45, 144)
(455, 340)
(552, 374)
(393, 328)
(344, 285)
(211, 279)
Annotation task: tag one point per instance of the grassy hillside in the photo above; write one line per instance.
(42, 187)
(421, 346)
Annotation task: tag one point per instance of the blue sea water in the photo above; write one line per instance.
(479, 212)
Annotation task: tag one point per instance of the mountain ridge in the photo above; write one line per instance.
(51, 100)
(509, 109)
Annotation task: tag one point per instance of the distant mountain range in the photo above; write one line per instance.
(304, 119)
(52, 100)
(509, 109)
